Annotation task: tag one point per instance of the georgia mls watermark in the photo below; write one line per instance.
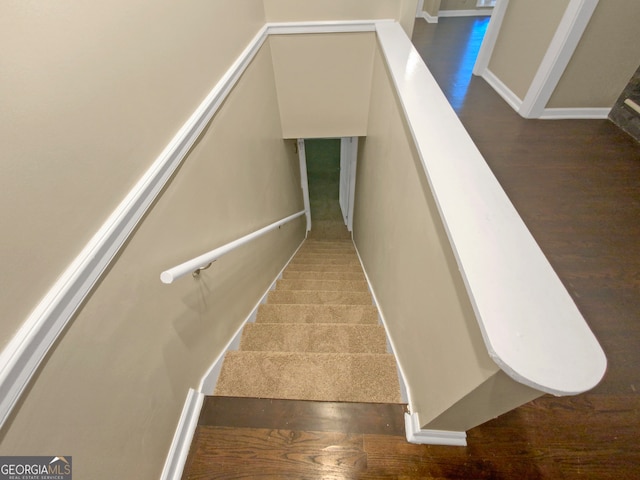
(35, 468)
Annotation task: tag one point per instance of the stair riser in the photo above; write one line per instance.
(311, 267)
(349, 314)
(326, 285)
(319, 298)
(301, 275)
(313, 338)
(326, 260)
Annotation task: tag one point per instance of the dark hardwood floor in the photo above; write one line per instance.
(576, 184)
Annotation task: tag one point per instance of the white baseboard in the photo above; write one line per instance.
(404, 389)
(179, 450)
(575, 113)
(429, 18)
(431, 437)
(548, 113)
(505, 92)
(479, 12)
(209, 380)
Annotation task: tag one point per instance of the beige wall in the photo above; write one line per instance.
(458, 5)
(323, 83)
(112, 390)
(90, 95)
(432, 7)
(607, 56)
(407, 15)
(295, 10)
(525, 35)
(408, 258)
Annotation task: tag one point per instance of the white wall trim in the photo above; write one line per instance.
(323, 27)
(575, 113)
(490, 38)
(404, 388)
(478, 12)
(209, 380)
(501, 89)
(555, 61)
(431, 437)
(419, 8)
(22, 356)
(429, 18)
(183, 436)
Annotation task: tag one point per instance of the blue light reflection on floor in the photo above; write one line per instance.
(460, 83)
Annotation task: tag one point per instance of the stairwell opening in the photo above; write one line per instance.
(318, 335)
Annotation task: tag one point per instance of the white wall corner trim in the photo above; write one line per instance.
(431, 437)
(478, 12)
(575, 113)
(490, 38)
(555, 61)
(174, 464)
(429, 18)
(505, 92)
(22, 356)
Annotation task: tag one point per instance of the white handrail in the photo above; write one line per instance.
(168, 276)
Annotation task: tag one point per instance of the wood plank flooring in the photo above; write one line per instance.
(576, 183)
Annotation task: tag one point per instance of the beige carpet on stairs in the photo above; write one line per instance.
(317, 337)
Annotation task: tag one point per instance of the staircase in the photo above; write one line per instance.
(317, 337)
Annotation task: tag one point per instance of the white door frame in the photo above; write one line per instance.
(348, 165)
(565, 40)
(304, 181)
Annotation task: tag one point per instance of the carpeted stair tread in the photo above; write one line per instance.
(329, 229)
(331, 285)
(335, 243)
(319, 297)
(327, 267)
(328, 248)
(313, 338)
(326, 251)
(313, 275)
(306, 313)
(341, 377)
(324, 259)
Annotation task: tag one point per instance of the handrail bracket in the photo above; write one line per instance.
(196, 272)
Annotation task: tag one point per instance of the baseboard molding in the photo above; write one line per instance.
(209, 380)
(505, 92)
(575, 113)
(174, 464)
(548, 113)
(431, 437)
(429, 18)
(404, 389)
(479, 12)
